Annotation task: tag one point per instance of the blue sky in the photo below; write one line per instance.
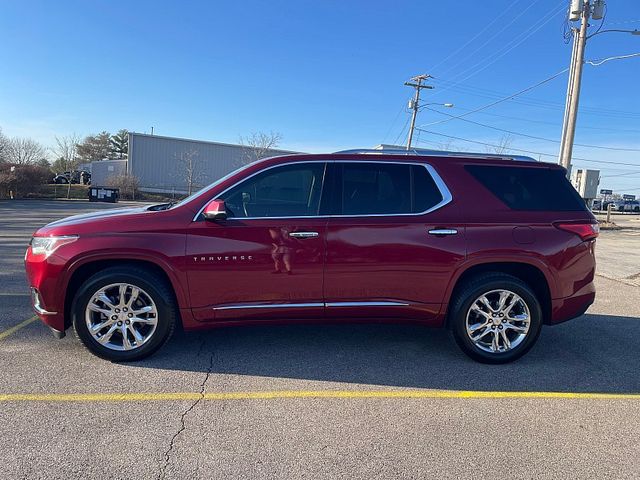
(326, 74)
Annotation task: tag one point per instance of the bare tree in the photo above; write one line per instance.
(503, 145)
(25, 151)
(4, 147)
(259, 145)
(127, 184)
(190, 169)
(66, 149)
(448, 145)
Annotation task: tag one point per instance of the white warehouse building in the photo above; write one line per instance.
(162, 164)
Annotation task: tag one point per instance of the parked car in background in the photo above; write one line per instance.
(470, 242)
(78, 176)
(599, 204)
(628, 206)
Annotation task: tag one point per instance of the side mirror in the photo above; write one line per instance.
(215, 210)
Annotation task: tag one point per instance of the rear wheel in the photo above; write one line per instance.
(124, 314)
(496, 318)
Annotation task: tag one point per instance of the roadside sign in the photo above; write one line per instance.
(628, 197)
(605, 192)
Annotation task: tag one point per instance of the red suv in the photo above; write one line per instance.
(489, 247)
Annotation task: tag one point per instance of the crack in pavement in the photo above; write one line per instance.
(625, 281)
(167, 453)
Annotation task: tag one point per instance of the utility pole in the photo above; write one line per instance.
(583, 9)
(414, 103)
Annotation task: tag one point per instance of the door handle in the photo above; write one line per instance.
(443, 231)
(303, 234)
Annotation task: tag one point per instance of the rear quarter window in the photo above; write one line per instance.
(530, 189)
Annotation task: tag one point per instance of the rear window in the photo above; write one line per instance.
(523, 188)
(387, 189)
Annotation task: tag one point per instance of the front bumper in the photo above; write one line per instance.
(47, 296)
(44, 314)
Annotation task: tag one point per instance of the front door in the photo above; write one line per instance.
(393, 243)
(266, 260)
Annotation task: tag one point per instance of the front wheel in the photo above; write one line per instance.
(496, 318)
(124, 314)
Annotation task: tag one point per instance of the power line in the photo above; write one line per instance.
(439, 146)
(526, 151)
(395, 142)
(486, 93)
(478, 35)
(602, 147)
(542, 82)
(507, 48)
(624, 22)
(395, 120)
(491, 37)
(542, 122)
(635, 172)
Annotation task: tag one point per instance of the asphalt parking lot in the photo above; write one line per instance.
(321, 401)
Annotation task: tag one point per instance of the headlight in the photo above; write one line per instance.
(47, 245)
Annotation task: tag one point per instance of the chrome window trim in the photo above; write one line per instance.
(324, 160)
(442, 187)
(238, 306)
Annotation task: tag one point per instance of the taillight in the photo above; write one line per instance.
(586, 231)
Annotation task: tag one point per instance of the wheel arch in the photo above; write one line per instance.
(85, 269)
(529, 273)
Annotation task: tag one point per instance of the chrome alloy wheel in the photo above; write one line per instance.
(121, 316)
(498, 321)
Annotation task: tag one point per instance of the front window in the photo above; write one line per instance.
(285, 191)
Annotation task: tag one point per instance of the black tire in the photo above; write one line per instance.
(471, 291)
(157, 289)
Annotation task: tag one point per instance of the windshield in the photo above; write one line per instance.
(210, 186)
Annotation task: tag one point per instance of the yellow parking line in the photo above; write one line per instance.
(17, 327)
(291, 394)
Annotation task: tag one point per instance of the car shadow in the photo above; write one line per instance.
(595, 353)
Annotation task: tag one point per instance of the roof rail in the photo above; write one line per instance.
(435, 153)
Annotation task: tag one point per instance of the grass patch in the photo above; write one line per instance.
(78, 192)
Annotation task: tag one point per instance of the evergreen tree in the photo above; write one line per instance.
(119, 144)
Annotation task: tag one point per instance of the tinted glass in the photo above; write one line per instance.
(386, 189)
(287, 191)
(425, 191)
(522, 188)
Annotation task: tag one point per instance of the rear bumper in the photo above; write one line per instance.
(563, 309)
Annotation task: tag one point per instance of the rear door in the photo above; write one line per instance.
(393, 241)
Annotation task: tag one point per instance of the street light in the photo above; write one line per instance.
(448, 105)
(632, 32)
